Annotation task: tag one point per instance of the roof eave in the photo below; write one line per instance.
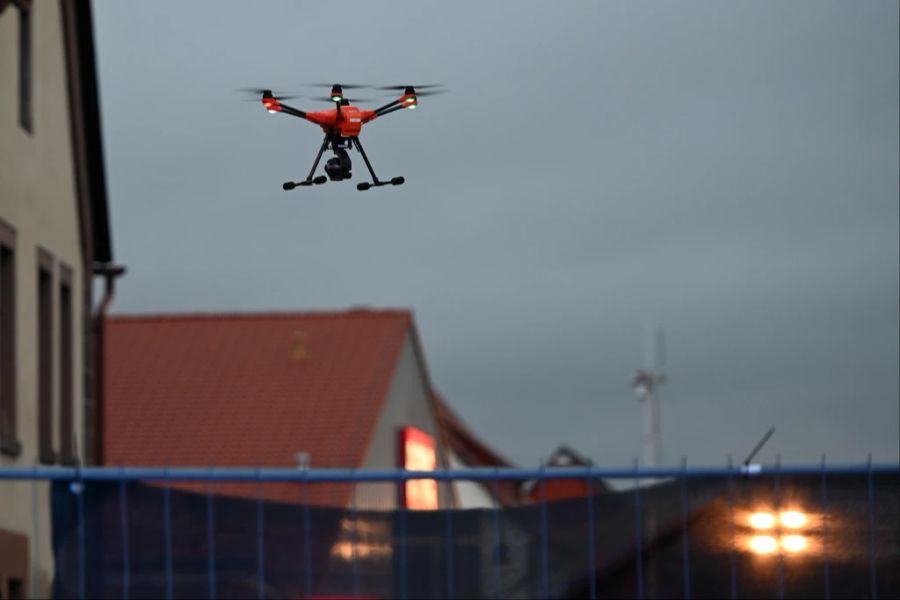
(87, 139)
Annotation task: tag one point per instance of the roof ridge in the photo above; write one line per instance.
(352, 312)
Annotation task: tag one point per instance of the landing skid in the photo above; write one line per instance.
(289, 185)
(366, 185)
(363, 186)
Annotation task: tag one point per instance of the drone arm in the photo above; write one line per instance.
(389, 111)
(384, 109)
(291, 110)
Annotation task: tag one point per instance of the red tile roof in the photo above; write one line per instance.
(249, 390)
(472, 452)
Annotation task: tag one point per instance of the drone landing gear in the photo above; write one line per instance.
(344, 172)
(366, 185)
(289, 185)
(375, 181)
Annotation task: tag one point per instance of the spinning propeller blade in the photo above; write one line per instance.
(430, 93)
(329, 99)
(346, 86)
(403, 87)
(418, 90)
(264, 92)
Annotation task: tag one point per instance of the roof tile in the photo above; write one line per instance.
(249, 390)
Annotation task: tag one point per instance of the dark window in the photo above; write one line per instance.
(45, 357)
(15, 589)
(67, 453)
(25, 64)
(9, 441)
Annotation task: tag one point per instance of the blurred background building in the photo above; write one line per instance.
(347, 389)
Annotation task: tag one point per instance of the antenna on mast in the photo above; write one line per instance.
(764, 439)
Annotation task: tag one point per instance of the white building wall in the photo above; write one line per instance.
(470, 494)
(408, 403)
(38, 200)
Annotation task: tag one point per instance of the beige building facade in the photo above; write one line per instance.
(53, 230)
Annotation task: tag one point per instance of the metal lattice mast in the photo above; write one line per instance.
(646, 384)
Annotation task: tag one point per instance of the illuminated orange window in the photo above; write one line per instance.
(417, 454)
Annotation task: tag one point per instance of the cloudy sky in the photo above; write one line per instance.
(729, 170)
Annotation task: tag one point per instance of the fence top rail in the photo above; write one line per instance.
(394, 475)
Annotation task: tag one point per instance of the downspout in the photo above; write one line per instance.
(109, 271)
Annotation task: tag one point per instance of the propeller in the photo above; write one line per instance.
(329, 99)
(429, 93)
(403, 87)
(431, 89)
(420, 90)
(345, 86)
(262, 91)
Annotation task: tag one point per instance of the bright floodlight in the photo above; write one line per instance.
(762, 520)
(763, 544)
(793, 519)
(794, 543)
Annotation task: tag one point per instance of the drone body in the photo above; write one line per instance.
(342, 126)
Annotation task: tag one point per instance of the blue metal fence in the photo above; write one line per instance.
(676, 532)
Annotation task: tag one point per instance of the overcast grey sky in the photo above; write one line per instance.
(729, 170)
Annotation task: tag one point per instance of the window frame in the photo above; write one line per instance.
(26, 65)
(45, 347)
(67, 449)
(9, 439)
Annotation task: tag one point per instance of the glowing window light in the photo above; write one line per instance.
(763, 544)
(762, 520)
(793, 519)
(417, 453)
(794, 543)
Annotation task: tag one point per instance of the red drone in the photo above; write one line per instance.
(342, 125)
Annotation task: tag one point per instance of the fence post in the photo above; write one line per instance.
(777, 512)
(733, 552)
(34, 529)
(167, 525)
(545, 542)
(825, 517)
(307, 542)
(685, 540)
(123, 524)
(638, 532)
(79, 489)
(403, 540)
(448, 536)
(211, 535)
(873, 575)
(354, 537)
(592, 549)
(260, 540)
(498, 541)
